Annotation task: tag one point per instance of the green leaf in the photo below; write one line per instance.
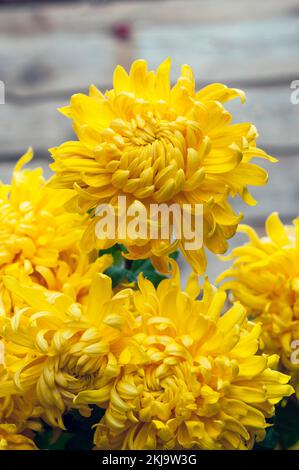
(79, 434)
(116, 251)
(127, 271)
(270, 441)
(153, 276)
(119, 275)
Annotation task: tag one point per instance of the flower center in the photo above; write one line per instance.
(151, 157)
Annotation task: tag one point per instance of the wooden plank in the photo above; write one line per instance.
(39, 124)
(249, 51)
(83, 16)
(52, 51)
(45, 63)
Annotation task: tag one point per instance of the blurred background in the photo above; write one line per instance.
(51, 49)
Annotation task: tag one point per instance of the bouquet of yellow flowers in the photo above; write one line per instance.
(100, 345)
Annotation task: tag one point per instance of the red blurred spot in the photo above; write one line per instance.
(122, 31)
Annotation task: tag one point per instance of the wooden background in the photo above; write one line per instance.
(49, 50)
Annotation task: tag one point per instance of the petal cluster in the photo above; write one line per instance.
(190, 378)
(10, 440)
(39, 247)
(63, 347)
(157, 143)
(265, 278)
(39, 240)
(169, 370)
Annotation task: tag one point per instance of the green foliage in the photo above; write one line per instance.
(120, 274)
(116, 251)
(123, 271)
(78, 435)
(285, 430)
(270, 441)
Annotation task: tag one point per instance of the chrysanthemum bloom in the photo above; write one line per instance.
(154, 143)
(39, 245)
(265, 278)
(67, 347)
(10, 440)
(39, 239)
(190, 377)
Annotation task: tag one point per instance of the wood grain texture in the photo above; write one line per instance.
(38, 123)
(82, 16)
(245, 52)
(55, 49)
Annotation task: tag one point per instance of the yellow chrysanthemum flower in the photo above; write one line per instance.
(39, 240)
(265, 278)
(10, 440)
(154, 143)
(190, 378)
(64, 347)
(39, 245)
